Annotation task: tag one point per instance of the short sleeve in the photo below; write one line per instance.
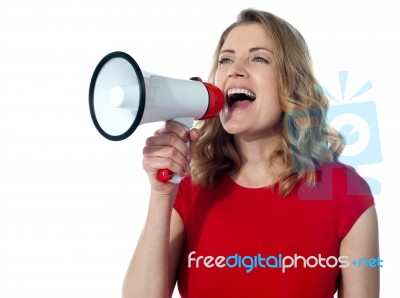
(353, 196)
(182, 197)
(178, 204)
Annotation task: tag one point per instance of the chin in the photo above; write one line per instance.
(233, 128)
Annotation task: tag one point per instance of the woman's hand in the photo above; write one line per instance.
(167, 149)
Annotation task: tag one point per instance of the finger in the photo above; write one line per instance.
(174, 127)
(153, 164)
(170, 140)
(194, 136)
(168, 153)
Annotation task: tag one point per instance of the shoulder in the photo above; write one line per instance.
(192, 195)
(351, 195)
(343, 179)
(187, 186)
(334, 181)
(188, 192)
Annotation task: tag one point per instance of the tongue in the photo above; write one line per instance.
(241, 104)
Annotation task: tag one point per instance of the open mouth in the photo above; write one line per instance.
(234, 96)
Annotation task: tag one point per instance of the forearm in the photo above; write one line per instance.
(147, 275)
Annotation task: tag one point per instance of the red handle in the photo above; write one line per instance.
(164, 175)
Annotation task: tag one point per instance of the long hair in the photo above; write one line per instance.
(307, 141)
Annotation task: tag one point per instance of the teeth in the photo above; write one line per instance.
(241, 91)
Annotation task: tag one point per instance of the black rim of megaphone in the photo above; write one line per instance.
(142, 97)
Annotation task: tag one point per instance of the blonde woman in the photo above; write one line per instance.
(265, 209)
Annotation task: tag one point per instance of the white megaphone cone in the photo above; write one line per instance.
(122, 97)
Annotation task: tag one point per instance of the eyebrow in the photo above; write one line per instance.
(250, 50)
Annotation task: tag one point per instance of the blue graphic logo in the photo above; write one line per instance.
(358, 123)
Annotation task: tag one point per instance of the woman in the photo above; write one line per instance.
(264, 209)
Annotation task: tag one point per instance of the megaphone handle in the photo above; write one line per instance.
(166, 175)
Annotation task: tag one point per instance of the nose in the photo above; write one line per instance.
(237, 69)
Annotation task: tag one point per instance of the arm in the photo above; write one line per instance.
(176, 244)
(361, 242)
(152, 270)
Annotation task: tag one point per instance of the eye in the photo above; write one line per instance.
(224, 61)
(260, 59)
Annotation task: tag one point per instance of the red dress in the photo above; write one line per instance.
(251, 242)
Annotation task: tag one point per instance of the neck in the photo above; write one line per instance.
(260, 164)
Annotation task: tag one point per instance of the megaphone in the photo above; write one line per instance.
(122, 97)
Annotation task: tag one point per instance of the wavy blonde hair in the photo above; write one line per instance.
(307, 141)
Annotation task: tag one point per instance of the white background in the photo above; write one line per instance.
(72, 203)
